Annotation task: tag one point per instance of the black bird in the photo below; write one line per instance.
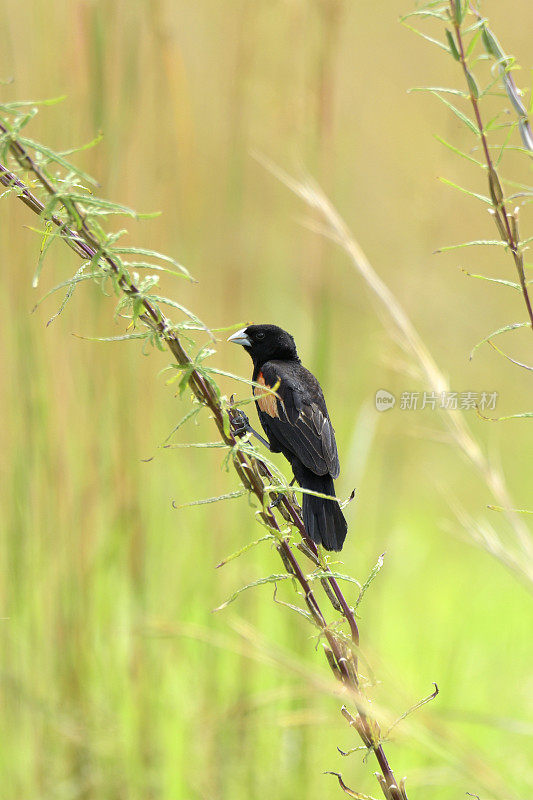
(297, 424)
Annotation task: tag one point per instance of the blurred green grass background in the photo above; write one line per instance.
(117, 680)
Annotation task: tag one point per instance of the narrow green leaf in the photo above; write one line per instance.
(8, 107)
(472, 43)
(124, 338)
(491, 44)
(475, 26)
(99, 203)
(490, 85)
(505, 328)
(427, 38)
(200, 445)
(503, 149)
(460, 152)
(473, 243)
(150, 265)
(142, 251)
(300, 490)
(493, 125)
(493, 280)
(413, 708)
(457, 11)
(20, 122)
(173, 304)
(472, 85)
(56, 158)
(524, 415)
(297, 609)
(207, 500)
(68, 294)
(513, 510)
(459, 114)
(245, 446)
(329, 574)
(234, 327)
(226, 422)
(246, 547)
(436, 89)
(226, 374)
(46, 242)
(373, 573)
(425, 12)
(481, 197)
(93, 212)
(81, 147)
(259, 582)
(453, 47)
(8, 191)
(189, 415)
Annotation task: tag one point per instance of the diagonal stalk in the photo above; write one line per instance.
(509, 230)
(341, 657)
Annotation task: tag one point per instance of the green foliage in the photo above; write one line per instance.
(475, 48)
(275, 579)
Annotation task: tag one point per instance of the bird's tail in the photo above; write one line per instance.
(323, 519)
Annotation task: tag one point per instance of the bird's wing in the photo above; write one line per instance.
(297, 417)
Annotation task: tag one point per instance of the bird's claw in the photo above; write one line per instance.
(280, 496)
(241, 423)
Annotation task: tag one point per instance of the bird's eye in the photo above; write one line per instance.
(260, 336)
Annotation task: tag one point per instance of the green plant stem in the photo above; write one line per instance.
(341, 657)
(496, 191)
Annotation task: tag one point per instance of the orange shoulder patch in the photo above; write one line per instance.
(266, 401)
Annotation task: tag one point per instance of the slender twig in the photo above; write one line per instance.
(341, 657)
(505, 223)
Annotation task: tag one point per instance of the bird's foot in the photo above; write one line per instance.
(240, 422)
(275, 503)
(241, 425)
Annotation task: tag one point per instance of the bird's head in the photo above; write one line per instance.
(266, 343)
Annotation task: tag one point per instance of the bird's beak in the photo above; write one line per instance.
(240, 337)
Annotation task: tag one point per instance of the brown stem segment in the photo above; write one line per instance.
(251, 470)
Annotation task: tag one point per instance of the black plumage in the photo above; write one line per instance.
(297, 424)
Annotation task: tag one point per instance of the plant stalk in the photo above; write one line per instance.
(341, 658)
